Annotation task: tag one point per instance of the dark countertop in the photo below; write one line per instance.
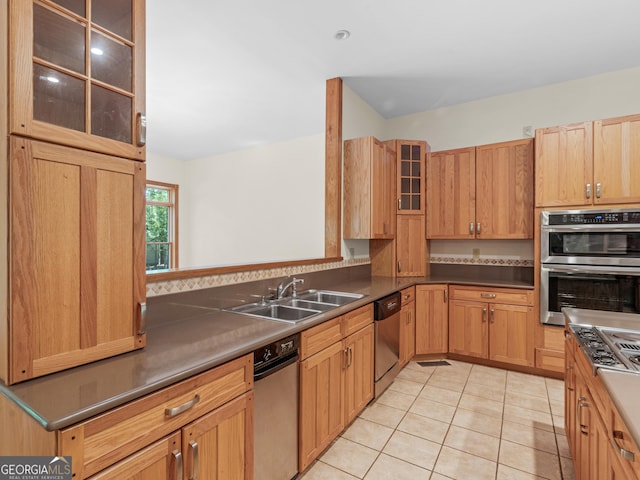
(189, 334)
(623, 387)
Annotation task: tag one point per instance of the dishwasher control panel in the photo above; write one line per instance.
(274, 351)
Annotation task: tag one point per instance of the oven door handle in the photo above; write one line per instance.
(591, 269)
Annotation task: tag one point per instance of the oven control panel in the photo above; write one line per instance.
(594, 217)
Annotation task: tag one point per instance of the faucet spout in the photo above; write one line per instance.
(283, 286)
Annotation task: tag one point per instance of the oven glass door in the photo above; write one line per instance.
(593, 246)
(595, 288)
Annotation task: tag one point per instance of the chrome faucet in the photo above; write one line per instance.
(283, 286)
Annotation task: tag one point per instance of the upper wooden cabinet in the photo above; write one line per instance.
(369, 189)
(451, 188)
(481, 192)
(76, 260)
(590, 163)
(410, 173)
(77, 74)
(411, 246)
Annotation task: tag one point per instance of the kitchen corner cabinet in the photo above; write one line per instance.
(495, 324)
(76, 263)
(589, 163)
(483, 192)
(407, 326)
(336, 379)
(369, 189)
(200, 426)
(411, 246)
(77, 74)
(432, 319)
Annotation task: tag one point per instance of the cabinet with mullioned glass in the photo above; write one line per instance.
(410, 158)
(76, 73)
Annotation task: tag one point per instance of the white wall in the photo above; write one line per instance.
(502, 118)
(257, 205)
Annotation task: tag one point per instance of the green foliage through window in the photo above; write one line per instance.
(160, 236)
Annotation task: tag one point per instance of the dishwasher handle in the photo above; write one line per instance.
(276, 366)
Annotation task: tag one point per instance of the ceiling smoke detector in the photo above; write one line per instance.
(342, 34)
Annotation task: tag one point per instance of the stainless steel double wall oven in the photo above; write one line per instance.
(589, 259)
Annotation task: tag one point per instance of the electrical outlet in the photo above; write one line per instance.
(352, 252)
(476, 253)
(527, 131)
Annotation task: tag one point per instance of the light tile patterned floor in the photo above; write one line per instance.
(459, 421)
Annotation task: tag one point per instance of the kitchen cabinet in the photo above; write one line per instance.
(77, 282)
(588, 163)
(410, 173)
(432, 319)
(407, 326)
(369, 189)
(411, 246)
(570, 393)
(203, 423)
(549, 351)
(77, 74)
(496, 324)
(483, 192)
(336, 379)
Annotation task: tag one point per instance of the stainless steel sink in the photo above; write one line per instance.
(292, 310)
(327, 296)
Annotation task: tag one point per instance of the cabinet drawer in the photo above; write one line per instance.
(493, 295)
(354, 321)
(320, 337)
(408, 295)
(103, 440)
(550, 359)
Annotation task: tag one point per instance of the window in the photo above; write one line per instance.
(162, 225)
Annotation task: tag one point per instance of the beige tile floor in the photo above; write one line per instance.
(460, 421)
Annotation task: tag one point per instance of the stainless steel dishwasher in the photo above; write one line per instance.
(387, 341)
(275, 419)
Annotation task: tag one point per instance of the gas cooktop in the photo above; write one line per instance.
(612, 348)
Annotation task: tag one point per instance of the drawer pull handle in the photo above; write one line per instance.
(446, 295)
(488, 295)
(196, 459)
(626, 454)
(142, 318)
(178, 458)
(484, 315)
(172, 412)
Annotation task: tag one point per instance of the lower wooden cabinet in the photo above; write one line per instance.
(216, 446)
(407, 326)
(336, 379)
(495, 324)
(432, 319)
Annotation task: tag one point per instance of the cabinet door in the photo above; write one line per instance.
(432, 319)
(598, 447)
(382, 192)
(321, 408)
(468, 328)
(504, 190)
(407, 333)
(511, 334)
(358, 380)
(451, 186)
(616, 160)
(570, 400)
(159, 461)
(411, 246)
(77, 257)
(78, 74)
(564, 165)
(410, 176)
(219, 445)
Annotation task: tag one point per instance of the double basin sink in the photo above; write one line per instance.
(302, 306)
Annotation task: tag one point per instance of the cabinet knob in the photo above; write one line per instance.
(598, 189)
(177, 456)
(141, 128)
(471, 228)
(587, 190)
(478, 228)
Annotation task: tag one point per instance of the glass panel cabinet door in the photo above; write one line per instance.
(77, 71)
(411, 176)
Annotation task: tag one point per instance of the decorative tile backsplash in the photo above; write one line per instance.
(492, 260)
(197, 283)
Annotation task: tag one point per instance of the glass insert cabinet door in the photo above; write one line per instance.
(411, 175)
(77, 73)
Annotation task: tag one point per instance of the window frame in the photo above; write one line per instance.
(172, 205)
